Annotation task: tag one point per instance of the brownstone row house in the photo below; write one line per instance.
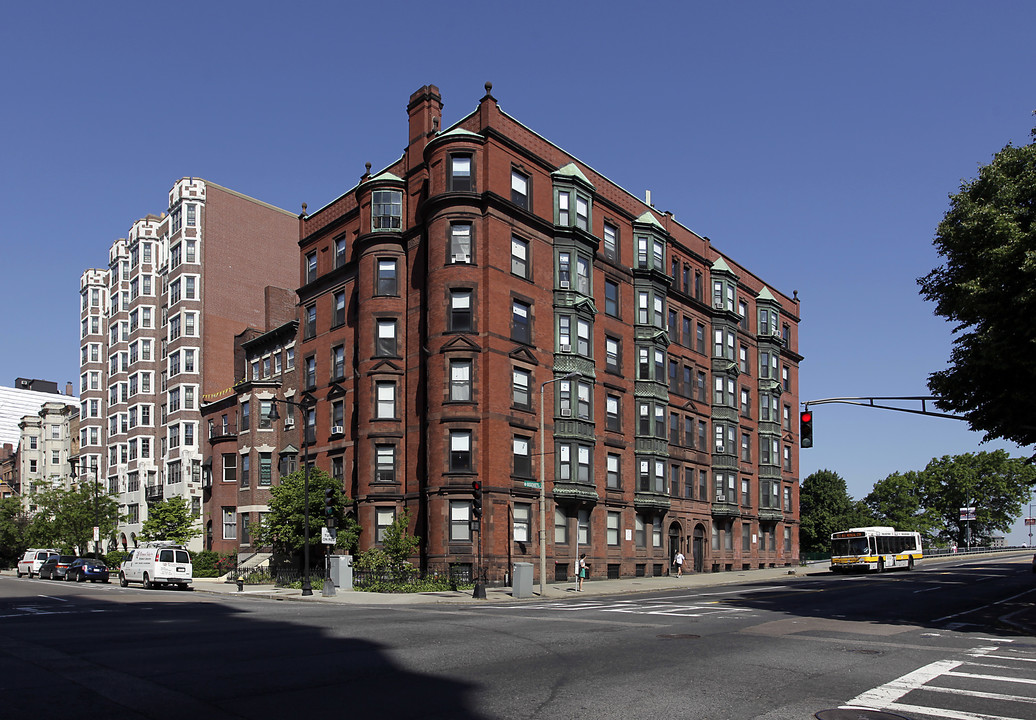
(487, 272)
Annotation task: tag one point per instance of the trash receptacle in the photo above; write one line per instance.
(342, 571)
(521, 582)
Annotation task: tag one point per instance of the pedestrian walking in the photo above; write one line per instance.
(678, 560)
(583, 567)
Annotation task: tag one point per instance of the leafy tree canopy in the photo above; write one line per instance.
(996, 484)
(13, 526)
(899, 500)
(283, 527)
(987, 286)
(825, 507)
(171, 519)
(65, 518)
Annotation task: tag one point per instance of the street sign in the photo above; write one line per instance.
(967, 513)
(97, 533)
(328, 536)
(532, 483)
(1030, 521)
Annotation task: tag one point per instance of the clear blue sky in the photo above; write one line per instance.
(816, 142)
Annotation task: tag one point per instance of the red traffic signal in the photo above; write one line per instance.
(806, 429)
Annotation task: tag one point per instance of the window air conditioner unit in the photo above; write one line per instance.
(461, 258)
(564, 284)
(566, 348)
(566, 412)
(337, 430)
(718, 305)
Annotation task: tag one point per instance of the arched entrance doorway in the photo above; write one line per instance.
(698, 551)
(674, 543)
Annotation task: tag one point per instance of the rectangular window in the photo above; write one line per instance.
(460, 173)
(386, 210)
(522, 456)
(229, 523)
(386, 401)
(460, 243)
(311, 267)
(310, 378)
(612, 413)
(310, 329)
(612, 354)
(520, 394)
(520, 189)
(460, 311)
(611, 241)
(386, 341)
(460, 520)
(522, 522)
(246, 415)
(460, 451)
(613, 478)
(341, 250)
(338, 362)
(519, 257)
(246, 466)
(613, 528)
(611, 298)
(339, 309)
(560, 527)
(229, 467)
(521, 329)
(386, 282)
(460, 380)
(265, 469)
(385, 463)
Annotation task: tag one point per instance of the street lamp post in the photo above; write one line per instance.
(543, 483)
(304, 404)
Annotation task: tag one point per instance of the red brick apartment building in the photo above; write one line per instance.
(442, 295)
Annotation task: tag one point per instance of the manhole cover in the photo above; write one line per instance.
(678, 636)
(851, 714)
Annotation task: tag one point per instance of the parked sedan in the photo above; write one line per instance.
(55, 567)
(87, 569)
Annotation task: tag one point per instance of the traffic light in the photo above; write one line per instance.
(329, 506)
(806, 429)
(476, 503)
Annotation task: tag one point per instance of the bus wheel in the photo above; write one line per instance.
(881, 565)
(910, 564)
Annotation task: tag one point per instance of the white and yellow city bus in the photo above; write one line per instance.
(874, 548)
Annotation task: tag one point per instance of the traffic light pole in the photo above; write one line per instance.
(871, 402)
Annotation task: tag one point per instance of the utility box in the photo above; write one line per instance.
(521, 581)
(342, 571)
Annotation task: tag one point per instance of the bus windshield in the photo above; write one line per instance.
(849, 546)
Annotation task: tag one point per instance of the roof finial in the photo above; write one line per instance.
(367, 174)
(489, 92)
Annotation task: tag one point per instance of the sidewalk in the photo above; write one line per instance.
(554, 591)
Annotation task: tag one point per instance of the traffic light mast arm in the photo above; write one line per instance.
(870, 402)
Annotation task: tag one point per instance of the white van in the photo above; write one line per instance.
(32, 559)
(158, 564)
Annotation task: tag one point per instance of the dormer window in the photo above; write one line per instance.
(387, 210)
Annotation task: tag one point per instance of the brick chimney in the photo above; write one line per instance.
(425, 111)
(69, 389)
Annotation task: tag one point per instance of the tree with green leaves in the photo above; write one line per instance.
(996, 484)
(170, 519)
(899, 501)
(987, 287)
(65, 519)
(14, 524)
(825, 507)
(399, 544)
(283, 528)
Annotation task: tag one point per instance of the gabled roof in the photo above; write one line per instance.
(572, 170)
(648, 218)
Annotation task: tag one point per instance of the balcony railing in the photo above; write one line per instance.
(153, 493)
